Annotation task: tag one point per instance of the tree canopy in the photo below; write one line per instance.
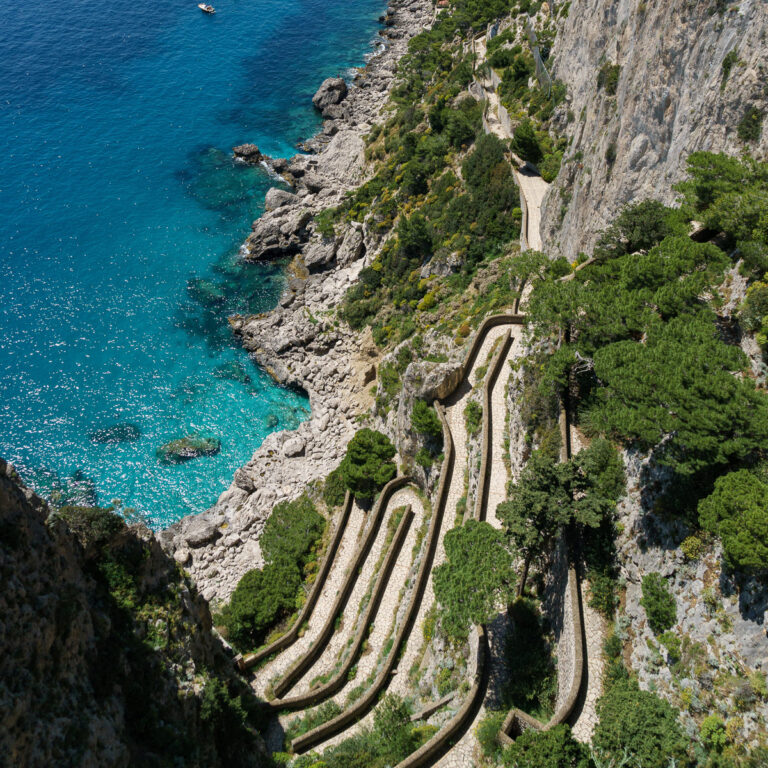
(368, 466)
(640, 723)
(292, 530)
(477, 578)
(737, 512)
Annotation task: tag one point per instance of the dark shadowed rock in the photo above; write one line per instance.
(248, 153)
(123, 432)
(333, 91)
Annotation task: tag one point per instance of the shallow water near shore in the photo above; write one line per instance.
(121, 214)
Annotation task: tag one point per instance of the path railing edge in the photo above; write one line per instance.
(336, 683)
(244, 663)
(303, 663)
(362, 705)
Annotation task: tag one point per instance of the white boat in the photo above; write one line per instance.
(206, 8)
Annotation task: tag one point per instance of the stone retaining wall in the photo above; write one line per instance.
(573, 624)
(494, 369)
(305, 662)
(361, 706)
(336, 683)
(249, 660)
(428, 753)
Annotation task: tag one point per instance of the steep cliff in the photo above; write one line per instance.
(687, 75)
(108, 658)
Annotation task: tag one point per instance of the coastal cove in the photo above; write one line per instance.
(122, 215)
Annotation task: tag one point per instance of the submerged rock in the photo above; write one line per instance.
(332, 92)
(122, 432)
(233, 370)
(188, 447)
(205, 292)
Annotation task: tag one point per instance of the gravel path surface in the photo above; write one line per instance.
(339, 640)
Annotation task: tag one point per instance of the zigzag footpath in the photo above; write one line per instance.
(450, 490)
(496, 121)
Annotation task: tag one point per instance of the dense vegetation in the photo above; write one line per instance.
(477, 578)
(264, 597)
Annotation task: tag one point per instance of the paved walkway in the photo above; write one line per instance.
(466, 752)
(349, 541)
(339, 641)
(532, 186)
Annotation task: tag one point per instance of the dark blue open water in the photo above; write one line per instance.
(117, 197)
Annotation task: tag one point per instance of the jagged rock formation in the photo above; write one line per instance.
(90, 679)
(672, 97)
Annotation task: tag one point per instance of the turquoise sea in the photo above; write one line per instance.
(120, 218)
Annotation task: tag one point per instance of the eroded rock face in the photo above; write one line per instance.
(332, 92)
(670, 101)
(78, 684)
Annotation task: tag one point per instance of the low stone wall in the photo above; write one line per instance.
(370, 697)
(573, 623)
(249, 660)
(337, 682)
(428, 753)
(305, 662)
(494, 369)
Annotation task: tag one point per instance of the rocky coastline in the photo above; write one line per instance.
(297, 342)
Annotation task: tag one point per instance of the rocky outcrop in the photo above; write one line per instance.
(330, 94)
(95, 618)
(673, 97)
(247, 153)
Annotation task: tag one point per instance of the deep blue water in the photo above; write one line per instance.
(120, 218)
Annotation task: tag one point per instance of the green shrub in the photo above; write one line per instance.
(525, 142)
(608, 77)
(751, 125)
(737, 512)
(260, 599)
(225, 715)
(334, 488)
(424, 458)
(692, 548)
(488, 732)
(639, 724)
(731, 58)
(312, 719)
(425, 421)
(93, 526)
(602, 593)
(473, 415)
(713, 734)
(476, 578)
(555, 748)
(292, 531)
(367, 466)
(659, 603)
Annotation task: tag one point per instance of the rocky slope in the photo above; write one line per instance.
(106, 647)
(672, 98)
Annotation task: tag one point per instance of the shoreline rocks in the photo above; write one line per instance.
(329, 95)
(297, 342)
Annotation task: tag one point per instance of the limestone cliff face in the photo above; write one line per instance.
(670, 101)
(106, 648)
